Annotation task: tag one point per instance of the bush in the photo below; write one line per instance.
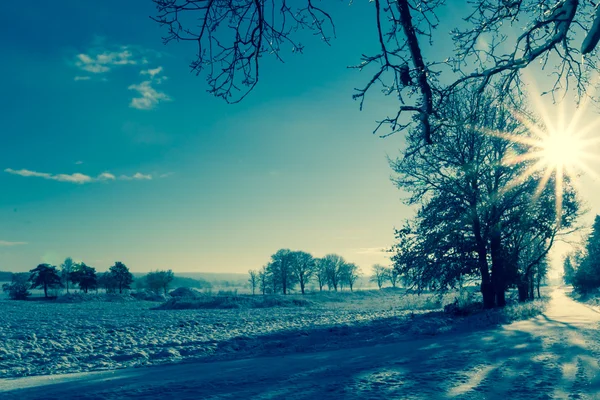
(18, 289)
(184, 292)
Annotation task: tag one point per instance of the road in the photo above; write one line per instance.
(554, 355)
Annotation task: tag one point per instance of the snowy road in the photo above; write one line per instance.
(554, 355)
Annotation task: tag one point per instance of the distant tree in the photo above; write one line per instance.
(392, 274)
(65, 270)
(108, 282)
(321, 273)
(587, 276)
(379, 275)
(45, 276)
(303, 267)
(122, 276)
(263, 279)
(568, 271)
(159, 280)
(281, 270)
(253, 280)
(84, 276)
(333, 265)
(17, 289)
(349, 274)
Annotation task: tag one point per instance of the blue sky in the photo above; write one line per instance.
(112, 150)
(179, 179)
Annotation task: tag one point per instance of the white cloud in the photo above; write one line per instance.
(73, 178)
(26, 172)
(78, 162)
(98, 62)
(152, 72)
(150, 97)
(78, 178)
(106, 176)
(82, 78)
(4, 243)
(138, 176)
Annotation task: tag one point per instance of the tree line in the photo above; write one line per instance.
(289, 269)
(582, 267)
(47, 277)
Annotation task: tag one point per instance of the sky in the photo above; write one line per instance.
(112, 150)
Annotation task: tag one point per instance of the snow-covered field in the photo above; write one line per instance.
(552, 356)
(38, 337)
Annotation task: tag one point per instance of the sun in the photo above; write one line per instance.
(562, 150)
(556, 147)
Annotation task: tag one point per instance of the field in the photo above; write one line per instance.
(49, 337)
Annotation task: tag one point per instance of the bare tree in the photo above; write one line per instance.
(303, 267)
(321, 273)
(233, 36)
(253, 280)
(349, 274)
(392, 275)
(332, 263)
(263, 279)
(379, 275)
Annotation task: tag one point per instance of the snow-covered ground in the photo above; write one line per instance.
(48, 338)
(552, 356)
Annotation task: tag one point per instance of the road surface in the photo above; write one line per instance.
(554, 355)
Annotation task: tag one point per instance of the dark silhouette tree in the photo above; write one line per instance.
(233, 37)
(84, 276)
(320, 273)
(123, 278)
(349, 274)
(480, 214)
(280, 269)
(303, 268)
(587, 276)
(45, 276)
(159, 280)
(332, 263)
(108, 282)
(18, 288)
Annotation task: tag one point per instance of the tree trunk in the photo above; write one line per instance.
(497, 267)
(538, 289)
(45, 290)
(522, 288)
(487, 289)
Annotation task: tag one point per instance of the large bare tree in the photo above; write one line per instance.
(494, 42)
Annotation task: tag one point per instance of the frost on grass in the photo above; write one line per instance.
(52, 337)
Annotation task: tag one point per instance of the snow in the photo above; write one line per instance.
(52, 337)
(554, 355)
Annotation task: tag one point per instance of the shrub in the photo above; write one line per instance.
(184, 292)
(18, 289)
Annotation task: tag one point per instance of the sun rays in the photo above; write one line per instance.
(556, 147)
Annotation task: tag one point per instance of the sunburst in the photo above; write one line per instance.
(556, 148)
